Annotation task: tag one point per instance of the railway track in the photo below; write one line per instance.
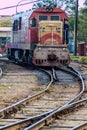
(82, 68)
(82, 126)
(0, 72)
(19, 115)
(64, 118)
(71, 106)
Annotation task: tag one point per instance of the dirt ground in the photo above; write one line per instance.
(18, 82)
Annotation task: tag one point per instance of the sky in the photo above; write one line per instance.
(11, 11)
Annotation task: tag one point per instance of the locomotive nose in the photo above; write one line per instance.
(52, 57)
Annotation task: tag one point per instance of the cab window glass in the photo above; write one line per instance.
(33, 22)
(15, 25)
(43, 17)
(54, 18)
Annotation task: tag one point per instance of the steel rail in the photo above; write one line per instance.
(70, 103)
(0, 72)
(43, 118)
(27, 121)
(80, 126)
(38, 119)
(28, 98)
(54, 74)
(53, 115)
(76, 73)
(11, 108)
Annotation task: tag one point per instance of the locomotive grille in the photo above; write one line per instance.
(52, 57)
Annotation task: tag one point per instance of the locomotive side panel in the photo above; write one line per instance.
(20, 30)
(19, 49)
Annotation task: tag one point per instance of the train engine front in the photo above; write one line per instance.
(40, 37)
(50, 50)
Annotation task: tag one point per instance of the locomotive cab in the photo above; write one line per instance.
(50, 51)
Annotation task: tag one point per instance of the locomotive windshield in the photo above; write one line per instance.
(43, 17)
(54, 18)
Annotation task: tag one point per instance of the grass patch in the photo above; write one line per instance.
(85, 72)
(82, 59)
(2, 86)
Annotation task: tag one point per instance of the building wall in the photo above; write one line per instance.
(5, 31)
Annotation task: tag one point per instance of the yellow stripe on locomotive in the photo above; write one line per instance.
(50, 32)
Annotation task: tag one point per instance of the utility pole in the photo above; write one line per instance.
(76, 27)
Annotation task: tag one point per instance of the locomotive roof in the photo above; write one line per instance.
(28, 13)
(55, 10)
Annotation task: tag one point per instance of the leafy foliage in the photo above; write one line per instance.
(71, 21)
(85, 3)
(67, 5)
(82, 59)
(82, 25)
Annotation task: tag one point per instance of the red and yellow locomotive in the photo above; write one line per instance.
(40, 37)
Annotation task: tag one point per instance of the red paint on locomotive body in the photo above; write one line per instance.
(42, 11)
(48, 36)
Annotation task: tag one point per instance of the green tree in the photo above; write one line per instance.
(71, 28)
(82, 25)
(85, 3)
(67, 5)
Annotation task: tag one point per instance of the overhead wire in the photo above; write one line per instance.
(13, 6)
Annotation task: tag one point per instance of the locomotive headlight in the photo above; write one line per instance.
(43, 29)
(64, 49)
(58, 29)
(39, 48)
